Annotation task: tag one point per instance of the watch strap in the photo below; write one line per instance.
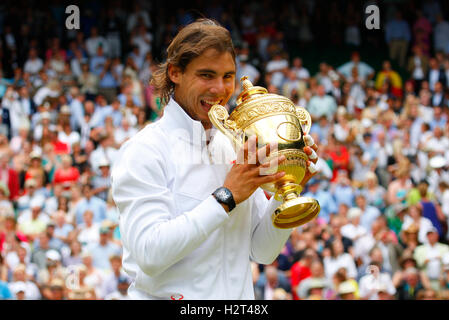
(224, 195)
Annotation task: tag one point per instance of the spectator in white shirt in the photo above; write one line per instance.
(94, 41)
(301, 72)
(339, 259)
(89, 231)
(34, 64)
(246, 69)
(322, 104)
(277, 67)
(143, 39)
(124, 132)
(375, 281)
(353, 230)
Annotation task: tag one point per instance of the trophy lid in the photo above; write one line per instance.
(249, 91)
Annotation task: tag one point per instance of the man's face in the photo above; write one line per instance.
(207, 80)
(432, 237)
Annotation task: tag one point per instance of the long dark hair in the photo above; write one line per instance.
(188, 44)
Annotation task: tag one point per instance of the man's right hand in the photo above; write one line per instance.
(245, 176)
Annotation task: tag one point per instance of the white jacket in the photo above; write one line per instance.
(178, 241)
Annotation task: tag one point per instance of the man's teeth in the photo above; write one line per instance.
(212, 102)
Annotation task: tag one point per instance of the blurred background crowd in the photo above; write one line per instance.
(379, 100)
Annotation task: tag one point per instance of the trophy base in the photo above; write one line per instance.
(295, 212)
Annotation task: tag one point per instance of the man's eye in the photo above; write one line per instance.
(206, 76)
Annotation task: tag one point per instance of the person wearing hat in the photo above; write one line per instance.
(316, 284)
(102, 182)
(33, 221)
(438, 173)
(21, 283)
(103, 249)
(57, 289)
(121, 292)
(429, 257)
(346, 290)
(54, 268)
(353, 230)
(414, 217)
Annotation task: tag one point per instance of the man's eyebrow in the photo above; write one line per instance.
(206, 71)
(213, 71)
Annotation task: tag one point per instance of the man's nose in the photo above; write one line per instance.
(218, 86)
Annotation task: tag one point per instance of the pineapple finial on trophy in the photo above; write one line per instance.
(246, 83)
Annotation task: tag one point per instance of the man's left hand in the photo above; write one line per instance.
(311, 151)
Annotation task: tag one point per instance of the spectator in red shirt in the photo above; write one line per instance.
(9, 177)
(59, 146)
(340, 156)
(301, 270)
(66, 174)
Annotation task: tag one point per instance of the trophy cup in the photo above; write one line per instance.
(273, 118)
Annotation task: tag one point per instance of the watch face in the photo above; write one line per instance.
(223, 194)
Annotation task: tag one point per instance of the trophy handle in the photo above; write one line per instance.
(218, 115)
(304, 119)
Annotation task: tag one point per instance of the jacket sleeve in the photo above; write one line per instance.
(154, 236)
(267, 241)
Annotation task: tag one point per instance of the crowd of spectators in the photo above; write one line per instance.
(71, 98)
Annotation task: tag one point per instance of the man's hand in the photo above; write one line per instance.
(244, 177)
(311, 150)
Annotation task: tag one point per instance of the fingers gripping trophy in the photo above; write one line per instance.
(273, 118)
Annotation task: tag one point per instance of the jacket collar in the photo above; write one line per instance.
(180, 124)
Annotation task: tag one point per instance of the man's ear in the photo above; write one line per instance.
(174, 73)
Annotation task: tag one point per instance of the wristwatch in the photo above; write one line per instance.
(224, 195)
